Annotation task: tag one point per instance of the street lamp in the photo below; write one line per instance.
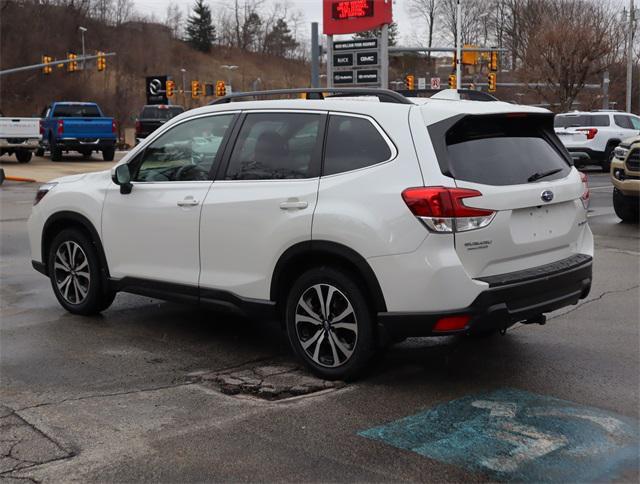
(82, 31)
(229, 68)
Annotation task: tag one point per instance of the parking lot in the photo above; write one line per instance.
(158, 391)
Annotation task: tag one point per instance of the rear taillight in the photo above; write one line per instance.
(586, 194)
(442, 209)
(41, 128)
(60, 127)
(137, 127)
(452, 323)
(591, 132)
(114, 128)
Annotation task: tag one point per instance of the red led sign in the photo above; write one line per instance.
(355, 8)
(350, 16)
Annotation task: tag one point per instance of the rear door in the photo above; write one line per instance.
(521, 172)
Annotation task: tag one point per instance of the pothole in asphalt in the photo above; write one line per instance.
(276, 380)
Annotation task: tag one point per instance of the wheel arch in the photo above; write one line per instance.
(304, 255)
(611, 145)
(68, 219)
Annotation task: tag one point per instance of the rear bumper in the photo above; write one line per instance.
(23, 144)
(511, 298)
(79, 144)
(586, 154)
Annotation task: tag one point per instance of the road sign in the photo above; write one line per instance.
(355, 44)
(367, 77)
(435, 83)
(343, 60)
(343, 77)
(367, 58)
(422, 83)
(349, 16)
(156, 92)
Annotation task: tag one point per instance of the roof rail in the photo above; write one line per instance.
(383, 95)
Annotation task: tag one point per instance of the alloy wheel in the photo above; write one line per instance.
(326, 325)
(71, 272)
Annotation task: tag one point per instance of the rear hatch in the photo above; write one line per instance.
(520, 172)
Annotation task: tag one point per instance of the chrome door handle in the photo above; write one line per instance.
(188, 202)
(293, 204)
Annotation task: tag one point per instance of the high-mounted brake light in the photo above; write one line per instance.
(591, 132)
(586, 193)
(60, 127)
(442, 209)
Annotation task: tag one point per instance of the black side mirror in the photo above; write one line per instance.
(122, 176)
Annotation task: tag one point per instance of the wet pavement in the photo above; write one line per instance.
(155, 391)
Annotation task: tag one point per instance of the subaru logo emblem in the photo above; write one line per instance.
(547, 196)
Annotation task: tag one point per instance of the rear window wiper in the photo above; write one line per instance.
(538, 176)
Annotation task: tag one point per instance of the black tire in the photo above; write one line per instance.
(56, 153)
(86, 154)
(108, 154)
(331, 344)
(23, 156)
(70, 295)
(627, 208)
(40, 152)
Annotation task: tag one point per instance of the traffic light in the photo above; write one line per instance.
(170, 88)
(47, 60)
(453, 82)
(195, 89)
(493, 61)
(73, 65)
(492, 81)
(410, 82)
(221, 89)
(101, 61)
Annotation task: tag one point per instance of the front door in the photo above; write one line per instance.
(152, 232)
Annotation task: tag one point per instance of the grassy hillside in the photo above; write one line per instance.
(27, 32)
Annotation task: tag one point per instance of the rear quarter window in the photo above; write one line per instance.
(498, 150)
(353, 143)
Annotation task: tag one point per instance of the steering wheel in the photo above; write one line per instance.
(199, 173)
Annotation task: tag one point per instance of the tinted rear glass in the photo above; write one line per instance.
(581, 120)
(502, 151)
(76, 111)
(153, 112)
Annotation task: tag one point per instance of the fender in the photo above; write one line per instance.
(64, 218)
(321, 248)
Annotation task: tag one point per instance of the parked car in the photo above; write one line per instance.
(625, 176)
(153, 116)
(19, 136)
(81, 127)
(354, 223)
(591, 137)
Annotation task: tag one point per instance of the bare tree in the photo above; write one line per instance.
(427, 10)
(174, 19)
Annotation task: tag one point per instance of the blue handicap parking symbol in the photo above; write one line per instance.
(516, 435)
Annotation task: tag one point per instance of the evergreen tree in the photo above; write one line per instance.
(368, 34)
(200, 30)
(279, 41)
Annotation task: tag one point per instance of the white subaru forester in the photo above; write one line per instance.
(355, 222)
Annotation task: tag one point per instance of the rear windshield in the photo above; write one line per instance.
(76, 111)
(497, 150)
(581, 120)
(154, 112)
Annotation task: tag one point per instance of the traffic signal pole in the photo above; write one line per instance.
(53, 63)
(458, 45)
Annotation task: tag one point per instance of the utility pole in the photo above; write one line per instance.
(184, 86)
(459, 45)
(630, 56)
(315, 56)
(84, 61)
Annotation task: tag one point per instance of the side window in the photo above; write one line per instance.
(275, 146)
(599, 120)
(635, 122)
(185, 152)
(623, 121)
(353, 143)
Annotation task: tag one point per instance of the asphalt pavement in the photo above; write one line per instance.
(155, 391)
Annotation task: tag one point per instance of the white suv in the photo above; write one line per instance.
(591, 137)
(353, 222)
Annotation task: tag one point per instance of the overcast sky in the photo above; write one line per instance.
(312, 9)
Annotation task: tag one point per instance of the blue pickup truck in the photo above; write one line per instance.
(81, 127)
